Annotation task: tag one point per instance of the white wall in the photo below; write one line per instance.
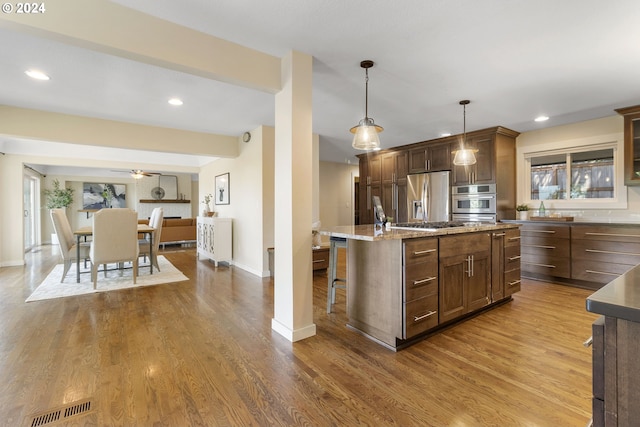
(250, 198)
(608, 129)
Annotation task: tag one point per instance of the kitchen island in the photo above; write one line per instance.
(616, 345)
(403, 285)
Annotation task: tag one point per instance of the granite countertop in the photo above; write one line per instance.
(370, 232)
(574, 222)
(619, 298)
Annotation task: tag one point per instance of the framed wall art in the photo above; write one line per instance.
(99, 196)
(221, 196)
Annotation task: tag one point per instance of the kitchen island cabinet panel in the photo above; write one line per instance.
(421, 315)
(420, 280)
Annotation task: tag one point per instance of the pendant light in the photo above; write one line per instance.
(464, 156)
(366, 132)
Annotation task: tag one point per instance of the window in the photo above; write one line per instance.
(576, 177)
(591, 172)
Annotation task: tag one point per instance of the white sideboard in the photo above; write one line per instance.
(215, 238)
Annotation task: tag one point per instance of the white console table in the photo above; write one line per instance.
(215, 238)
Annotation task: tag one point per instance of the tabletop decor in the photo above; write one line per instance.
(222, 189)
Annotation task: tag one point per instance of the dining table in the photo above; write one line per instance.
(87, 231)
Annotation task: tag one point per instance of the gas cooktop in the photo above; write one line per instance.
(428, 226)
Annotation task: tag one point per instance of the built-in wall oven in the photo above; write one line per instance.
(475, 202)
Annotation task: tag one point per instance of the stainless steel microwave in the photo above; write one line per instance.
(474, 199)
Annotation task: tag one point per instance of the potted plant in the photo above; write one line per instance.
(207, 200)
(523, 210)
(58, 198)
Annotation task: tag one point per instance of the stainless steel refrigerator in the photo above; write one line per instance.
(428, 197)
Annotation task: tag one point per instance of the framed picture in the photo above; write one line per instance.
(222, 189)
(100, 196)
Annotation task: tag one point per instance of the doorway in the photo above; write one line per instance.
(31, 206)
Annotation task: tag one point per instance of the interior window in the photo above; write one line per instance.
(591, 172)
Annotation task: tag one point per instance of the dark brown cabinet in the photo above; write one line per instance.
(430, 157)
(420, 290)
(370, 185)
(483, 171)
(546, 250)
(505, 264)
(465, 274)
(394, 184)
(631, 144)
(602, 253)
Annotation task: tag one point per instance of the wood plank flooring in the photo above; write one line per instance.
(202, 353)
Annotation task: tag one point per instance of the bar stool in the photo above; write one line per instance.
(333, 281)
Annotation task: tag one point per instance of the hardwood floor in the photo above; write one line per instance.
(202, 353)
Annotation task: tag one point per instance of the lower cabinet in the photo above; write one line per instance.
(546, 250)
(215, 238)
(616, 372)
(602, 253)
(465, 274)
(420, 288)
(505, 264)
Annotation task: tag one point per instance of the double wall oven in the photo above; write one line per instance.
(474, 203)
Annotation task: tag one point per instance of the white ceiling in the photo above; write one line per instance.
(572, 60)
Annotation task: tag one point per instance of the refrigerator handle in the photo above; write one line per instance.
(424, 200)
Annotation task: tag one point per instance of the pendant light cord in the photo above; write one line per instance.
(366, 94)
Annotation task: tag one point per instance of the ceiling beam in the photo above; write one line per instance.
(111, 28)
(44, 125)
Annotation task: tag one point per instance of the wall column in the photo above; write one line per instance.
(293, 292)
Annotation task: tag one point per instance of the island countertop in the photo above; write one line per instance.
(370, 232)
(619, 298)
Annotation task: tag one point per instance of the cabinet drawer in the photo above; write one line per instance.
(321, 259)
(600, 250)
(420, 315)
(607, 232)
(420, 280)
(512, 238)
(511, 282)
(546, 264)
(452, 246)
(420, 250)
(545, 245)
(597, 271)
(531, 230)
(511, 258)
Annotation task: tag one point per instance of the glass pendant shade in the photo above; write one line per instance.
(366, 135)
(464, 157)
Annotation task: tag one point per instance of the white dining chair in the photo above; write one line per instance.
(115, 240)
(157, 217)
(68, 248)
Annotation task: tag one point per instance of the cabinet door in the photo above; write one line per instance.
(482, 172)
(388, 171)
(451, 298)
(479, 281)
(375, 170)
(418, 160)
(497, 265)
(402, 166)
(439, 157)
(388, 200)
(631, 144)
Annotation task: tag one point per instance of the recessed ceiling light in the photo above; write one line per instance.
(445, 134)
(541, 118)
(175, 101)
(35, 74)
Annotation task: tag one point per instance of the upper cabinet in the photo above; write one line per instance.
(430, 157)
(483, 171)
(631, 144)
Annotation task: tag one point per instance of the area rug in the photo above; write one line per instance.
(52, 288)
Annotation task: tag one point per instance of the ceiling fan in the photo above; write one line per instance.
(138, 173)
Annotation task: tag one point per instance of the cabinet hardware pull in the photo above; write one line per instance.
(541, 231)
(588, 342)
(319, 260)
(424, 316)
(499, 234)
(539, 265)
(602, 272)
(513, 258)
(423, 252)
(472, 266)
(539, 246)
(514, 238)
(611, 234)
(515, 282)
(368, 197)
(428, 279)
(611, 252)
